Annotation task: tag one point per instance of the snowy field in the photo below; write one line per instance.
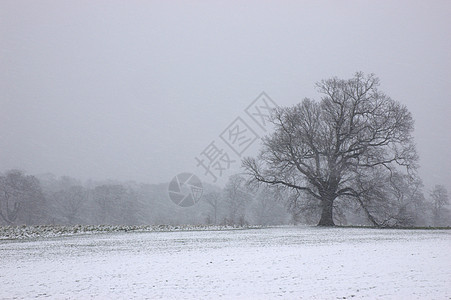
(285, 263)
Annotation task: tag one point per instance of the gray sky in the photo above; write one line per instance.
(135, 90)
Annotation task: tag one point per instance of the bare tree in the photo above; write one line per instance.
(263, 205)
(21, 198)
(213, 200)
(109, 199)
(324, 148)
(71, 202)
(129, 208)
(236, 198)
(440, 199)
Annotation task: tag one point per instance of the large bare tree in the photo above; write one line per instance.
(328, 148)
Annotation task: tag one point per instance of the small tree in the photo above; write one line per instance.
(440, 199)
(213, 200)
(266, 209)
(236, 198)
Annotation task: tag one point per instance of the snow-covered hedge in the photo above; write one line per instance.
(24, 232)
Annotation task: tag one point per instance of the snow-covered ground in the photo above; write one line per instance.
(285, 262)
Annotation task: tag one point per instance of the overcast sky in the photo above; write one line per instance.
(135, 90)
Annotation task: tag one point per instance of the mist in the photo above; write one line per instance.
(135, 91)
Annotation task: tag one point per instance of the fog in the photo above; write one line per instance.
(136, 90)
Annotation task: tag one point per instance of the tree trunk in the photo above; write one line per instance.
(326, 214)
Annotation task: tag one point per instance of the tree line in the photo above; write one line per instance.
(45, 199)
